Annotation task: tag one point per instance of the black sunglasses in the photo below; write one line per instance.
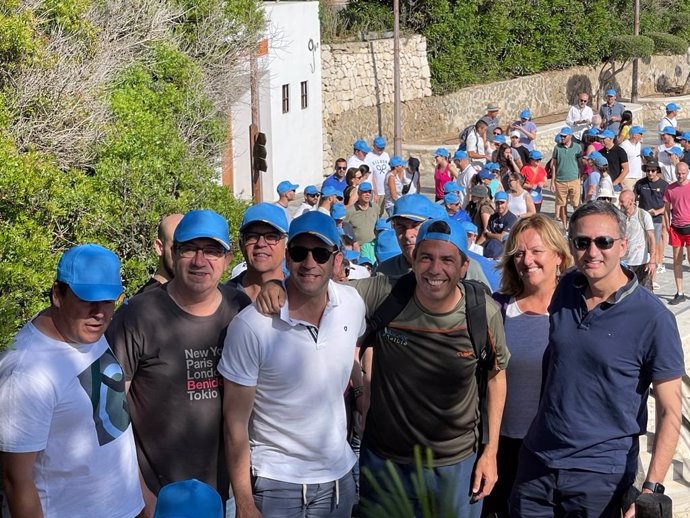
(601, 242)
(321, 255)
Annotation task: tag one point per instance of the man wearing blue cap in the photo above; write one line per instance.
(262, 243)
(684, 140)
(419, 391)
(362, 216)
(329, 196)
(632, 147)
(579, 117)
(498, 227)
(359, 152)
(527, 129)
(670, 119)
(66, 443)
(169, 342)
(378, 161)
(286, 193)
(466, 173)
(611, 112)
(663, 154)
(311, 200)
(285, 376)
(565, 181)
(337, 178)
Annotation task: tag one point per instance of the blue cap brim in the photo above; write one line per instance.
(97, 293)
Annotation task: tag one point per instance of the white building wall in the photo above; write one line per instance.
(295, 138)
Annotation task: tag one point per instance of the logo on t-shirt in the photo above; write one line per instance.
(104, 383)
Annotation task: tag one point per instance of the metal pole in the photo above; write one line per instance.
(397, 133)
(255, 126)
(636, 31)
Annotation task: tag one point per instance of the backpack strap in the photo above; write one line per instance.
(392, 305)
(477, 326)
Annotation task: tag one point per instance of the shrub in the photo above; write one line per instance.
(628, 47)
(668, 44)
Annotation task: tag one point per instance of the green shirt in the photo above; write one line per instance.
(363, 221)
(567, 166)
(423, 387)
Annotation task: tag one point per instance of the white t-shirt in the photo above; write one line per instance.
(354, 161)
(67, 402)
(475, 143)
(378, 167)
(637, 238)
(297, 430)
(286, 210)
(464, 180)
(634, 159)
(304, 207)
(668, 170)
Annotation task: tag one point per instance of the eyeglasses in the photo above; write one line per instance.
(341, 168)
(209, 252)
(583, 100)
(321, 255)
(601, 242)
(271, 238)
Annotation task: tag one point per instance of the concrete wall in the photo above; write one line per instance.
(294, 138)
(430, 119)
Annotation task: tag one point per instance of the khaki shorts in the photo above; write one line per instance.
(568, 192)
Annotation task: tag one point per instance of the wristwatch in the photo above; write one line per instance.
(654, 487)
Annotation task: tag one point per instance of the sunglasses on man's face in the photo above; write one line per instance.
(320, 254)
(601, 242)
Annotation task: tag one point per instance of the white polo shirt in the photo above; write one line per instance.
(297, 431)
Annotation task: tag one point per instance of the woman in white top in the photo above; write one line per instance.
(394, 182)
(520, 202)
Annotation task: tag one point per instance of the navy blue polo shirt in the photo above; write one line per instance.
(597, 370)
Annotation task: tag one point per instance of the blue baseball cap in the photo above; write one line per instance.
(469, 227)
(501, 196)
(601, 161)
(397, 161)
(451, 187)
(92, 272)
(268, 213)
(592, 132)
(451, 198)
(611, 92)
(416, 207)
(447, 230)
(380, 142)
(500, 139)
(311, 189)
(485, 174)
(607, 134)
(203, 223)
(442, 152)
(188, 499)
(637, 130)
(387, 246)
(668, 130)
(565, 130)
(492, 166)
(535, 155)
(382, 224)
(676, 150)
(525, 114)
(647, 151)
(317, 224)
(460, 155)
(672, 107)
(338, 211)
(685, 136)
(286, 186)
(365, 187)
(361, 145)
(352, 255)
(329, 190)
(593, 155)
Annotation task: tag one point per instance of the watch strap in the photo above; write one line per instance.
(654, 487)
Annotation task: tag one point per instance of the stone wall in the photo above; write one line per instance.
(437, 119)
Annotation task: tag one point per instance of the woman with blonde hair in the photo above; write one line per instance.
(535, 255)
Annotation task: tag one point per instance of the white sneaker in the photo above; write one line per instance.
(661, 269)
(655, 285)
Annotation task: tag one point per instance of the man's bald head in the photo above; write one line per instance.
(163, 246)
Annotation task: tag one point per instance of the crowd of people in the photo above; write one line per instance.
(369, 333)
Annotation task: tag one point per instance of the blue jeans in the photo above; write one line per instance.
(451, 486)
(277, 499)
(543, 492)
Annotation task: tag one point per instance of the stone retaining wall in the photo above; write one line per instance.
(545, 93)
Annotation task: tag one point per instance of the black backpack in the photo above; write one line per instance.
(477, 326)
(462, 139)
